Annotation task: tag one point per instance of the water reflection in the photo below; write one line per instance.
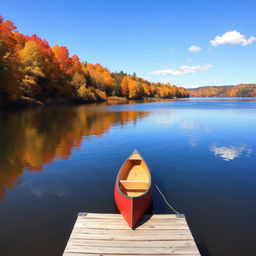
(230, 153)
(32, 138)
(193, 142)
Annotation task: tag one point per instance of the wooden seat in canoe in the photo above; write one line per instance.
(133, 188)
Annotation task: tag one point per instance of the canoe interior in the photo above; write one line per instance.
(134, 178)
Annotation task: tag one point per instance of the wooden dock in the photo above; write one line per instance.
(108, 234)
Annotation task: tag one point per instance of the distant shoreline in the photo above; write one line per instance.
(240, 90)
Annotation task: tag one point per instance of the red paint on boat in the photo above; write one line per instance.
(132, 208)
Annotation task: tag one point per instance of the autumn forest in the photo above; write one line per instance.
(33, 71)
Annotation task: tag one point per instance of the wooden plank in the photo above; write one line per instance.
(108, 234)
(121, 220)
(149, 220)
(140, 232)
(121, 226)
(132, 237)
(118, 216)
(131, 250)
(129, 243)
(102, 223)
(144, 221)
(127, 254)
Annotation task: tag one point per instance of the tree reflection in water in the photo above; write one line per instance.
(31, 138)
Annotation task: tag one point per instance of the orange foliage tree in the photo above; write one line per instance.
(9, 89)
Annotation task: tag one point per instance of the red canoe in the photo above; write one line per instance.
(133, 192)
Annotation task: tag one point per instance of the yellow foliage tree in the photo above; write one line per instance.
(135, 90)
(125, 87)
(32, 66)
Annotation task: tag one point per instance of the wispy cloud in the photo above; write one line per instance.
(194, 48)
(232, 37)
(230, 153)
(182, 70)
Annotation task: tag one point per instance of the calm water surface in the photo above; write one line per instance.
(57, 161)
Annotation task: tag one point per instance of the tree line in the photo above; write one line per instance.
(241, 90)
(30, 68)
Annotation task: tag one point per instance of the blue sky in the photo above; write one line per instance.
(150, 38)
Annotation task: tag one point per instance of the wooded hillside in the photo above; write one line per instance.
(31, 69)
(241, 90)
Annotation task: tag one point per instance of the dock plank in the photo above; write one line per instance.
(108, 234)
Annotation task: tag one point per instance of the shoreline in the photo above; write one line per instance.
(27, 102)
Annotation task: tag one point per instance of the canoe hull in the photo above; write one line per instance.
(132, 208)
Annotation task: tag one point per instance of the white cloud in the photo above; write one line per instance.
(182, 70)
(232, 37)
(230, 153)
(194, 48)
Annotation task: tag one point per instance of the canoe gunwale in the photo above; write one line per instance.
(119, 172)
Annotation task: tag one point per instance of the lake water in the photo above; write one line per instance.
(58, 161)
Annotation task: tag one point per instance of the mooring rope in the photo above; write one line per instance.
(168, 204)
